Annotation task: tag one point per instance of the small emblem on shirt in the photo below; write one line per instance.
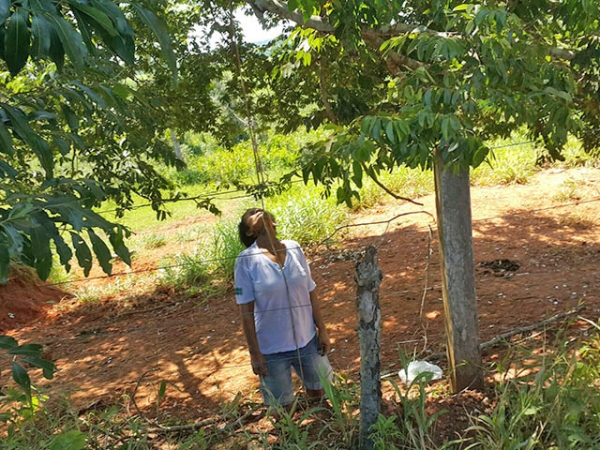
(238, 291)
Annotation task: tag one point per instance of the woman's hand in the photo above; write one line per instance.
(324, 342)
(259, 365)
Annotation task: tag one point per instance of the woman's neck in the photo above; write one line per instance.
(268, 241)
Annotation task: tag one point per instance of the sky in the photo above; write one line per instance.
(253, 30)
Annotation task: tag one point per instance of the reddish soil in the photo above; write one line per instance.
(118, 348)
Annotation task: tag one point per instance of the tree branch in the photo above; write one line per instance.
(520, 330)
(394, 61)
(325, 95)
(386, 189)
(561, 53)
(280, 8)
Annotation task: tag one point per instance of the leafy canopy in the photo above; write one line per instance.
(75, 130)
(439, 77)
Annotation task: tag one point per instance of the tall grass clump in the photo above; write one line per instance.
(153, 240)
(344, 397)
(516, 160)
(551, 404)
(225, 246)
(185, 271)
(403, 181)
(412, 428)
(302, 214)
(576, 156)
(510, 162)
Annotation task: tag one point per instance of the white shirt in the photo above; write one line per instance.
(283, 313)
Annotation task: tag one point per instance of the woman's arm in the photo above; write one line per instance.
(259, 364)
(324, 342)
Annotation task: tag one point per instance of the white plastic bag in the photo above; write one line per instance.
(418, 367)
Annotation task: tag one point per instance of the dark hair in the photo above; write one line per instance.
(243, 226)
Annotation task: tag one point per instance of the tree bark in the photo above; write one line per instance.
(176, 145)
(453, 205)
(368, 279)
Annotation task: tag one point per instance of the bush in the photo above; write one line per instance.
(305, 216)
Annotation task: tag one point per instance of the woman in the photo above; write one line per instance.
(281, 315)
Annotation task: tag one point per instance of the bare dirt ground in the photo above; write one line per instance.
(536, 255)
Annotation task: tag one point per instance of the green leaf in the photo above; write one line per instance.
(4, 263)
(42, 36)
(70, 440)
(38, 145)
(479, 156)
(389, 131)
(63, 146)
(462, 7)
(71, 40)
(561, 94)
(116, 240)
(116, 14)
(57, 51)
(97, 17)
(445, 129)
(6, 145)
(83, 253)
(6, 170)
(48, 367)
(366, 125)
(357, 174)
(102, 252)
(481, 16)
(15, 239)
(27, 350)
(70, 214)
(85, 30)
(427, 98)
(17, 41)
(40, 246)
(376, 130)
(70, 117)
(41, 115)
(122, 44)
(7, 342)
(157, 26)
(2, 39)
(93, 95)
(162, 389)
(63, 250)
(21, 377)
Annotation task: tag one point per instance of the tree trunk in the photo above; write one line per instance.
(453, 204)
(176, 146)
(368, 278)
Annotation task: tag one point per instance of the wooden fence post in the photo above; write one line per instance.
(368, 279)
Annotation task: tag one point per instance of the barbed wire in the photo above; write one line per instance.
(229, 366)
(218, 369)
(322, 242)
(234, 191)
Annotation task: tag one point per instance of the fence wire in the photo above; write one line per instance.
(321, 243)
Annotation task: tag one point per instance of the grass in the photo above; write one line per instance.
(552, 403)
(546, 400)
(555, 405)
(404, 182)
(305, 216)
(153, 240)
